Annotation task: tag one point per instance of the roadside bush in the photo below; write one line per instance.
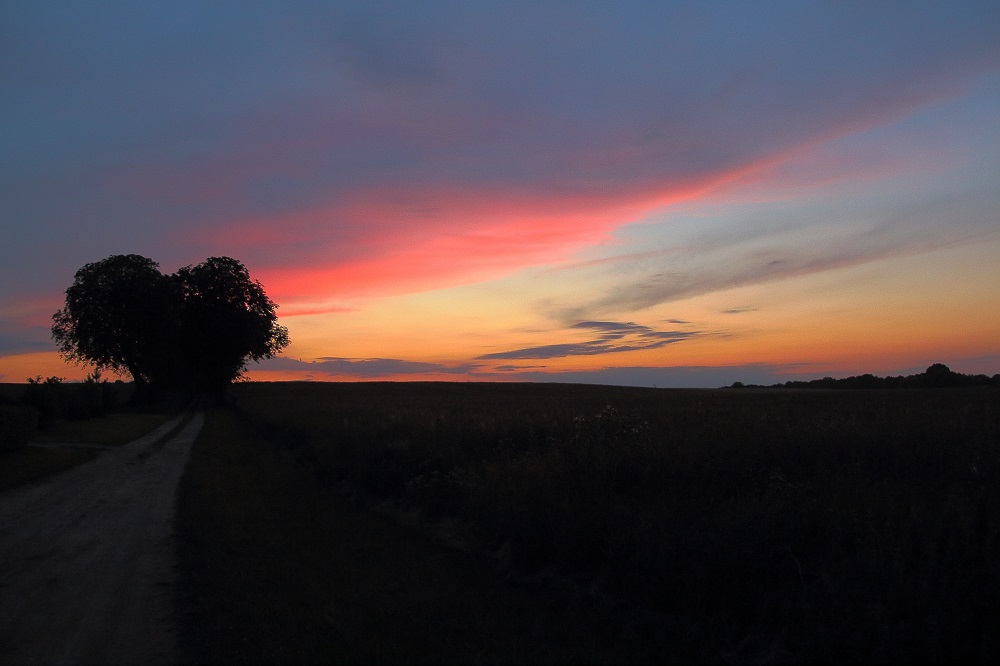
(17, 425)
(73, 403)
(92, 395)
(43, 395)
(55, 399)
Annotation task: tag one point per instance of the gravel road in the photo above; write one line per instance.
(87, 559)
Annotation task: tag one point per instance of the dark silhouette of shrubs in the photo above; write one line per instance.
(54, 398)
(937, 375)
(44, 395)
(101, 396)
(940, 375)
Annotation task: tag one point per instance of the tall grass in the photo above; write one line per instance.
(773, 525)
(275, 568)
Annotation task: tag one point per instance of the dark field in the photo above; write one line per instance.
(723, 525)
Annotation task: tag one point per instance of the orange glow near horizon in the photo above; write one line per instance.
(880, 317)
(897, 313)
(18, 368)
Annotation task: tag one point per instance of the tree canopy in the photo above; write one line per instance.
(937, 375)
(113, 317)
(196, 329)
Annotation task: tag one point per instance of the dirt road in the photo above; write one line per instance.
(87, 558)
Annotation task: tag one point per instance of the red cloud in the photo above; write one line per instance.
(399, 241)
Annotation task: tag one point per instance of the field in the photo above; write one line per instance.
(726, 525)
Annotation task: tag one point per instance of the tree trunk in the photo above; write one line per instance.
(141, 386)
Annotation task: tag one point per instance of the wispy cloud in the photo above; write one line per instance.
(516, 368)
(24, 341)
(674, 377)
(307, 309)
(368, 368)
(25, 326)
(839, 237)
(613, 338)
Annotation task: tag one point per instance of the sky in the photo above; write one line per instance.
(640, 193)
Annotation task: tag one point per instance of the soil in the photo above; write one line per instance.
(87, 558)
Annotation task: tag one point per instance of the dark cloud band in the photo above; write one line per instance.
(615, 337)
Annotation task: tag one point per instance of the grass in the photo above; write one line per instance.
(278, 568)
(111, 429)
(30, 464)
(770, 525)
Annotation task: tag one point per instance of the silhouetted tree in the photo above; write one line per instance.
(226, 321)
(939, 375)
(195, 330)
(115, 316)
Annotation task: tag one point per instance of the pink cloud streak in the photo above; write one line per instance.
(436, 242)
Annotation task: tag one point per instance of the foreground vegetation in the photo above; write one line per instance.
(277, 568)
(94, 414)
(751, 525)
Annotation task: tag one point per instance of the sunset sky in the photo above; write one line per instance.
(645, 193)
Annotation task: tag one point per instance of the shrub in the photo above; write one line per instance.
(55, 399)
(93, 395)
(43, 395)
(17, 425)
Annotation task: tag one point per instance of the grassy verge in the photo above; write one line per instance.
(111, 429)
(29, 464)
(276, 568)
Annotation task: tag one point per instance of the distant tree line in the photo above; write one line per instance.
(938, 375)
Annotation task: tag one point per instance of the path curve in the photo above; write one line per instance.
(87, 558)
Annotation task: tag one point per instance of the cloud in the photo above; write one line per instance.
(24, 330)
(840, 235)
(614, 337)
(339, 137)
(671, 377)
(306, 310)
(366, 367)
(663, 377)
(25, 342)
(516, 368)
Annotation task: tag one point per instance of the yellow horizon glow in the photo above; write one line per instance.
(877, 317)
